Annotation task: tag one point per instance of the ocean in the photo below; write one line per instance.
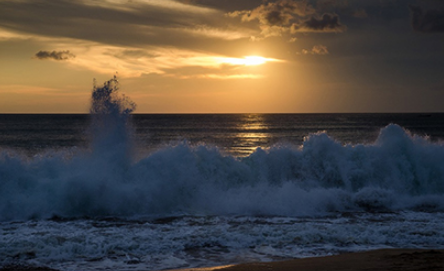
(119, 191)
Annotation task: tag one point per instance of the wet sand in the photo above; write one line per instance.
(377, 260)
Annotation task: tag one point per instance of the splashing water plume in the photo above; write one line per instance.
(111, 128)
(106, 100)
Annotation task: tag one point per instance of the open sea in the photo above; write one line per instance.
(115, 191)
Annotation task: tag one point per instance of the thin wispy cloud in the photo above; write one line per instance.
(221, 76)
(125, 23)
(316, 50)
(135, 62)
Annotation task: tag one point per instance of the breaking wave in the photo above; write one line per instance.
(399, 171)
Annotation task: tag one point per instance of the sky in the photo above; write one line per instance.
(224, 56)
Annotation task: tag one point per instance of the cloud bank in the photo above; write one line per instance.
(326, 23)
(290, 16)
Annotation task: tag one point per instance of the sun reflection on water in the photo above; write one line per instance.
(252, 134)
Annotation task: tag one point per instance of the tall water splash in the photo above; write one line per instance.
(111, 129)
(96, 183)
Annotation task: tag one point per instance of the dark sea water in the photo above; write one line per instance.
(234, 134)
(151, 192)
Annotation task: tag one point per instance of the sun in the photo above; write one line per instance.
(247, 60)
(254, 60)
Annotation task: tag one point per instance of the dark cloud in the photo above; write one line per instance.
(55, 55)
(388, 10)
(429, 21)
(293, 16)
(279, 13)
(316, 50)
(326, 23)
(276, 17)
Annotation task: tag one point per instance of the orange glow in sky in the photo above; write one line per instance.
(247, 60)
(182, 56)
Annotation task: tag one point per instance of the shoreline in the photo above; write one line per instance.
(373, 260)
(377, 260)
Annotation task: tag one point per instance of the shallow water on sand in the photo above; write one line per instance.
(180, 242)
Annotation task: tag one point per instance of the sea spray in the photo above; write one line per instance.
(99, 189)
(111, 129)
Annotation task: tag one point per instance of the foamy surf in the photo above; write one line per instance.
(398, 172)
(201, 241)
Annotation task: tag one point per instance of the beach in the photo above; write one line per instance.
(385, 259)
(375, 260)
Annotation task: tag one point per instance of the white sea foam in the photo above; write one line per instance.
(398, 172)
(203, 241)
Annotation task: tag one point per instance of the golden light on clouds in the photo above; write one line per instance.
(139, 57)
(134, 4)
(133, 62)
(228, 54)
(222, 76)
(247, 60)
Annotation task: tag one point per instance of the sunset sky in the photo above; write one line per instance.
(224, 56)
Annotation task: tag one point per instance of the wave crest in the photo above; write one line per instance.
(399, 171)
